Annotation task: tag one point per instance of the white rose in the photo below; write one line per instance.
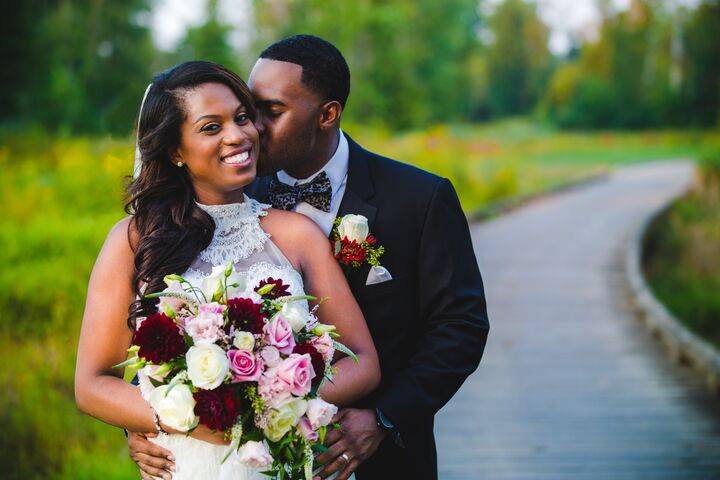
(244, 341)
(207, 365)
(354, 227)
(296, 314)
(320, 412)
(176, 407)
(255, 455)
(285, 417)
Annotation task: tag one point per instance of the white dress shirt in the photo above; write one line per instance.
(337, 171)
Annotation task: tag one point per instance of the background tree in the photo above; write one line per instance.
(517, 56)
(209, 41)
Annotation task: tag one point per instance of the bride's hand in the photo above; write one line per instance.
(211, 436)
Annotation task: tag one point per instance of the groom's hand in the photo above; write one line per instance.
(358, 438)
(152, 460)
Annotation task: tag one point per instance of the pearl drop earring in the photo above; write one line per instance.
(180, 164)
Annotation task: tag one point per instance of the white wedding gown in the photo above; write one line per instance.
(238, 238)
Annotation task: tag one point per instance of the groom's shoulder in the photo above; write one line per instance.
(393, 175)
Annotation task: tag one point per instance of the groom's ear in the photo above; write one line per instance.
(330, 114)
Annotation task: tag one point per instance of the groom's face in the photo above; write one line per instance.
(288, 115)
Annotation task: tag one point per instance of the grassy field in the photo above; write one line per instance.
(682, 260)
(60, 197)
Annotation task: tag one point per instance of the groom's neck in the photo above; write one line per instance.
(325, 148)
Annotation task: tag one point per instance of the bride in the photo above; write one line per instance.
(188, 213)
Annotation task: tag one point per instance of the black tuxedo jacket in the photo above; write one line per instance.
(429, 323)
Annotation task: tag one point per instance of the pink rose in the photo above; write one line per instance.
(273, 389)
(206, 326)
(245, 366)
(270, 356)
(320, 412)
(255, 455)
(279, 334)
(297, 371)
(324, 345)
(306, 430)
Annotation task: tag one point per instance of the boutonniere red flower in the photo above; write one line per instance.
(352, 243)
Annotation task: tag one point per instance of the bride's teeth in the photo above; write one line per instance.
(239, 158)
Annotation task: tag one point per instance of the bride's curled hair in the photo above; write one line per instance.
(168, 229)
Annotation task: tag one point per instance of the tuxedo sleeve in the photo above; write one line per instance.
(454, 322)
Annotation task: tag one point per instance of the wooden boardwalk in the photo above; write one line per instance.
(571, 385)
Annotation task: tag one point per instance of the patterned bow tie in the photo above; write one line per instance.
(316, 192)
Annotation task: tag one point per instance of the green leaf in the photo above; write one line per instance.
(134, 361)
(342, 348)
(319, 448)
(233, 446)
(265, 289)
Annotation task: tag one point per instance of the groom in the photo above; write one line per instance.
(427, 316)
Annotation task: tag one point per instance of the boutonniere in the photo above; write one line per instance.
(352, 243)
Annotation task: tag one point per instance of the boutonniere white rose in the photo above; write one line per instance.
(352, 242)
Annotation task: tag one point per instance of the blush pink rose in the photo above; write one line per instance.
(320, 413)
(297, 371)
(273, 389)
(279, 334)
(270, 356)
(306, 430)
(206, 326)
(324, 345)
(255, 455)
(245, 366)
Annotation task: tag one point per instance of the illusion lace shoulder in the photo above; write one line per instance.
(239, 238)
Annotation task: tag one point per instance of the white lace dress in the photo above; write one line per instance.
(239, 238)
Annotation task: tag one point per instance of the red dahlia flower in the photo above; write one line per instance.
(218, 409)
(159, 339)
(244, 314)
(280, 290)
(351, 253)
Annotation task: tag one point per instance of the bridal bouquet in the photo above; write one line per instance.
(243, 359)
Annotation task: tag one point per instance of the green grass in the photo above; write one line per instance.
(60, 197)
(682, 258)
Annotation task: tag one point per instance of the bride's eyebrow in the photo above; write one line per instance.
(238, 109)
(206, 116)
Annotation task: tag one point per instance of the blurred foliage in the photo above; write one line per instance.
(209, 41)
(650, 66)
(409, 59)
(80, 66)
(682, 257)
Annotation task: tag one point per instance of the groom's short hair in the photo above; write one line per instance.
(324, 68)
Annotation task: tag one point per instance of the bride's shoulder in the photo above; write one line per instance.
(117, 252)
(289, 224)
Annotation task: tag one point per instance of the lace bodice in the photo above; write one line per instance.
(240, 239)
(237, 231)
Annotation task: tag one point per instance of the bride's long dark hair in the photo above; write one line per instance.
(167, 229)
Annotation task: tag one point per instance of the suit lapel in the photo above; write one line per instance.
(360, 186)
(358, 190)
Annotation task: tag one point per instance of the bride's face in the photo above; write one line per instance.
(218, 143)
